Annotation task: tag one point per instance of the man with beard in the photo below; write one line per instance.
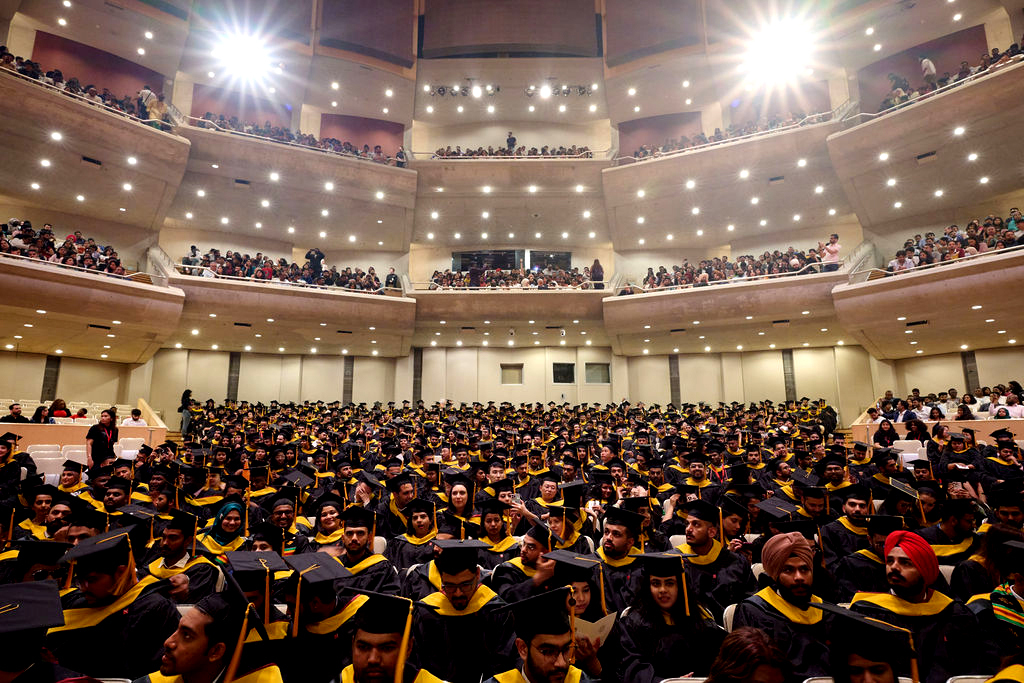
(544, 641)
(282, 515)
(620, 578)
(528, 574)
(783, 609)
(191, 577)
(945, 632)
(953, 539)
(370, 571)
(847, 534)
(864, 569)
(720, 576)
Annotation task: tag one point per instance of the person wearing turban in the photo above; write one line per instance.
(946, 634)
(783, 609)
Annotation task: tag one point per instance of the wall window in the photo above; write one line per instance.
(511, 373)
(598, 373)
(563, 373)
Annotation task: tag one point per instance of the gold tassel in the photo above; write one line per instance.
(403, 649)
(236, 657)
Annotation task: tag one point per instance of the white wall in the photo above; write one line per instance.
(998, 366)
(373, 379)
(90, 380)
(176, 243)
(929, 374)
(21, 376)
(426, 138)
(649, 380)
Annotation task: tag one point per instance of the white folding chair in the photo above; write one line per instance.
(757, 568)
(63, 421)
(727, 616)
(72, 448)
(947, 571)
(42, 447)
(963, 679)
(677, 540)
(380, 544)
(131, 443)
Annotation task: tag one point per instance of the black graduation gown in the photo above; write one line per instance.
(654, 651)
(488, 558)
(803, 635)
(948, 550)
(128, 643)
(403, 553)
(462, 647)
(969, 579)
(421, 581)
(327, 648)
(997, 469)
(373, 573)
(838, 540)
(863, 571)
(721, 578)
(513, 581)
(202, 577)
(44, 672)
(621, 580)
(946, 634)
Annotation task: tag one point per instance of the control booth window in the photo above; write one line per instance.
(598, 373)
(563, 373)
(511, 373)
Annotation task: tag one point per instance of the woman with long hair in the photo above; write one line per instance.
(101, 437)
(886, 435)
(329, 528)
(917, 431)
(42, 416)
(185, 408)
(963, 412)
(227, 532)
(59, 409)
(667, 633)
(597, 274)
(460, 508)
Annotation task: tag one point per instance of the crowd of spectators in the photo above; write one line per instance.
(145, 105)
(823, 258)
(901, 92)
(999, 402)
(19, 238)
(313, 272)
(979, 236)
(285, 134)
(512, 148)
(735, 130)
(519, 278)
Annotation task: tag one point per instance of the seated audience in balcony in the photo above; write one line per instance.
(259, 267)
(579, 152)
(517, 278)
(18, 238)
(14, 414)
(134, 420)
(41, 416)
(980, 236)
(59, 408)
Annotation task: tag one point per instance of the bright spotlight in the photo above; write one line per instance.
(244, 56)
(779, 53)
(545, 91)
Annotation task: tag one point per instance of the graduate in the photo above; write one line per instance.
(783, 609)
(30, 609)
(864, 570)
(667, 633)
(368, 570)
(463, 612)
(191, 576)
(848, 534)
(111, 605)
(618, 573)
(413, 547)
(227, 532)
(495, 528)
(528, 574)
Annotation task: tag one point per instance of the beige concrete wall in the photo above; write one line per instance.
(997, 366)
(814, 373)
(322, 378)
(763, 377)
(373, 379)
(89, 380)
(649, 380)
(700, 378)
(170, 368)
(207, 375)
(21, 376)
(929, 374)
(853, 372)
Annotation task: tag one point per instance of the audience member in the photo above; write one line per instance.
(18, 238)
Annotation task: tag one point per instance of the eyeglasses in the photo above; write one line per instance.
(463, 587)
(549, 652)
(57, 575)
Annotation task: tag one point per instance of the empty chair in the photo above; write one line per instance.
(63, 420)
(42, 447)
(51, 463)
(947, 571)
(757, 568)
(73, 448)
(380, 544)
(131, 443)
(964, 679)
(677, 540)
(727, 616)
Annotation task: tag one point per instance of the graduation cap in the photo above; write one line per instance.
(828, 460)
(631, 520)
(314, 571)
(884, 524)
(872, 639)
(384, 614)
(73, 466)
(255, 571)
(494, 506)
(546, 613)
(731, 506)
(571, 567)
(1002, 434)
(268, 533)
(10, 437)
(573, 492)
(32, 552)
(457, 555)
(29, 608)
(857, 491)
(806, 527)
(777, 508)
(803, 479)
(394, 485)
(466, 529)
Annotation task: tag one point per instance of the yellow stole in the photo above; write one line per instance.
(84, 617)
(501, 546)
(442, 606)
(335, 621)
(929, 608)
(1010, 673)
(716, 550)
(807, 616)
(37, 530)
(332, 537)
(850, 526)
(348, 675)
(515, 676)
(167, 572)
(517, 562)
(276, 630)
(420, 541)
(946, 550)
(396, 512)
(72, 489)
(213, 546)
(869, 555)
(622, 561)
(266, 674)
(364, 564)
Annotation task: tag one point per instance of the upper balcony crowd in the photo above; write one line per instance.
(546, 278)
(19, 238)
(979, 237)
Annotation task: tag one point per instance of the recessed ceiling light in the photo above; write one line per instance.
(380, 243)
(771, 346)
(973, 156)
(631, 92)
(959, 130)
(459, 109)
(561, 108)
(913, 343)
(385, 110)
(695, 210)
(869, 30)
(976, 307)
(990, 320)
(805, 312)
(213, 315)
(214, 347)
(796, 216)
(380, 194)
(897, 205)
(149, 35)
(351, 238)
(103, 355)
(265, 203)
(1011, 341)
(689, 101)
(280, 348)
(877, 47)
(640, 219)
(325, 213)
(486, 189)
(200, 193)
(536, 343)
(908, 332)
(764, 222)
(433, 342)
(80, 198)
(983, 179)
(636, 108)
(483, 235)
(640, 241)
(34, 186)
(754, 200)
(744, 173)
(389, 92)
(511, 235)
(329, 186)
(707, 348)
(530, 108)
(210, 74)
(565, 235)
(56, 136)
(690, 184)
(957, 16)
(730, 227)
(669, 236)
(537, 235)
(260, 225)
(323, 234)
(592, 235)
(963, 347)
(141, 50)
(485, 214)
(938, 193)
(700, 233)
(195, 332)
(890, 182)
(127, 187)
(884, 156)
(434, 215)
(457, 235)
(801, 162)
(593, 107)
(579, 188)
(490, 108)
(586, 213)
(430, 235)
(275, 176)
(379, 221)
(45, 163)
(640, 193)
(61, 21)
(344, 352)
(335, 85)
(532, 188)
(819, 189)
(224, 220)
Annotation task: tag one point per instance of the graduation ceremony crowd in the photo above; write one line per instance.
(321, 542)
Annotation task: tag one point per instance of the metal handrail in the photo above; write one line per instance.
(583, 287)
(589, 154)
(865, 274)
(126, 276)
(992, 70)
(802, 123)
(250, 281)
(80, 98)
(208, 125)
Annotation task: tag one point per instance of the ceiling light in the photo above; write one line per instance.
(275, 176)
(532, 188)
(744, 173)
(149, 35)
(877, 47)
(586, 213)
(56, 136)
(486, 189)
(700, 233)
(34, 186)
(459, 109)
(805, 312)
(323, 234)
(631, 92)
(707, 348)
(62, 21)
(983, 180)
(690, 184)
(819, 189)
(483, 235)
(973, 156)
(579, 188)
(636, 108)
(561, 108)
(511, 342)
(976, 307)
(801, 162)
(224, 220)
(593, 107)
(938, 193)
(1011, 341)
(640, 241)
(329, 186)
(195, 332)
(200, 193)
(433, 343)
(430, 109)
(640, 219)
(280, 348)
(214, 347)
(178, 345)
(210, 74)
(884, 156)
(457, 235)
(188, 214)
(545, 91)
(536, 343)
(389, 92)
(959, 130)
(530, 108)
(490, 109)
(260, 225)
(730, 227)
(754, 200)
(511, 235)
(103, 355)
(430, 235)
(908, 332)
(963, 347)
(141, 50)
(764, 222)
(264, 203)
(45, 163)
(897, 205)
(380, 194)
(796, 216)
(344, 352)
(592, 235)
(537, 235)
(434, 215)
(80, 198)
(640, 193)
(351, 238)
(831, 212)
(335, 85)
(913, 343)
(890, 182)
(957, 16)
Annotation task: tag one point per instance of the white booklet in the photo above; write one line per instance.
(596, 629)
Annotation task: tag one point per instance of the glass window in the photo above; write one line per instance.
(511, 373)
(598, 373)
(563, 373)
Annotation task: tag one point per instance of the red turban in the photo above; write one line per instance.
(917, 549)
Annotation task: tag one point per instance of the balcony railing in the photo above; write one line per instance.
(204, 273)
(589, 285)
(134, 276)
(874, 273)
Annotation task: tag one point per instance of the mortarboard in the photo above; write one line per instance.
(546, 613)
(32, 606)
(457, 555)
(631, 520)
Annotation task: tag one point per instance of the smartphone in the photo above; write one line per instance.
(517, 499)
